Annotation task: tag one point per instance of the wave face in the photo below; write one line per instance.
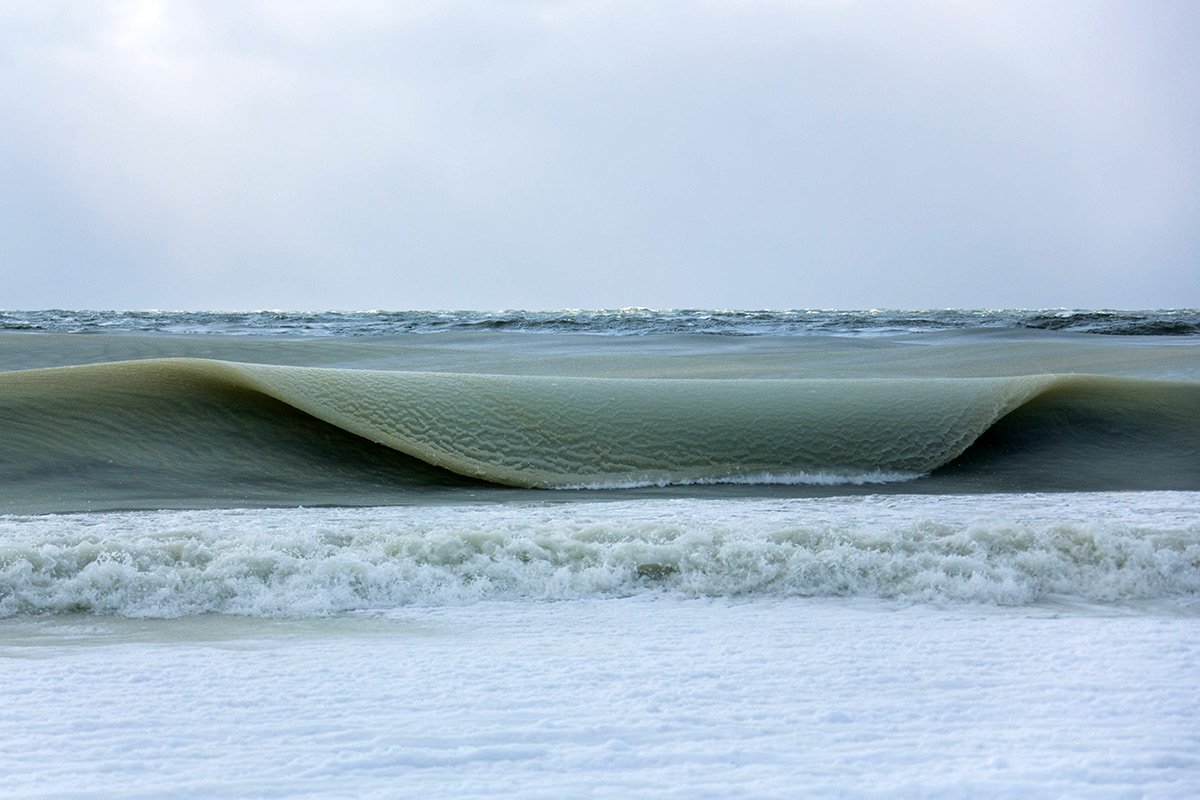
(996, 549)
(186, 432)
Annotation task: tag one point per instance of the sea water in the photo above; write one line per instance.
(248, 556)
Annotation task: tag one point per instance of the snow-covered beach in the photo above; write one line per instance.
(635, 697)
(986, 645)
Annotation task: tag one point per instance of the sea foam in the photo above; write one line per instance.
(999, 549)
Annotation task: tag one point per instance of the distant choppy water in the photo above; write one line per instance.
(619, 322)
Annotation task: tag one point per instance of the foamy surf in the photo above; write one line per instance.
(998, 550)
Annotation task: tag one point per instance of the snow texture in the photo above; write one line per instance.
(647, 696)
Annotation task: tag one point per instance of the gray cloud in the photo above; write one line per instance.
(542, 154)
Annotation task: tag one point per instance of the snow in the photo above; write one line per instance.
(642, 696)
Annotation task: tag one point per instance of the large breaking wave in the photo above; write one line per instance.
(175, 431)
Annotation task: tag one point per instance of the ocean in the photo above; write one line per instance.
(693, 553)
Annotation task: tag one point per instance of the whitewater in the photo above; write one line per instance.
(635, 553)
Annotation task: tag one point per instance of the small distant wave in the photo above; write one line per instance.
(608, 322)
(995, 550)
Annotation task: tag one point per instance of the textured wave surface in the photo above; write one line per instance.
(180, 425)
(997, 549)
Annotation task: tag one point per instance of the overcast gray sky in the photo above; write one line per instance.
(539, 154)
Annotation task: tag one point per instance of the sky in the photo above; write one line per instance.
(537, 154)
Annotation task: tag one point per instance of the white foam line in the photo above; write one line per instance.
(763, 479)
